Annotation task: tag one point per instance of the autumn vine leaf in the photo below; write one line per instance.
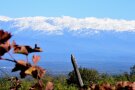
(35, 71)
(21, 62)
(21, 66)
(27, 69)
(4, 48)
(4, 42)
(35, 59)
(25, 49)
(24, 67)
(4, 36)
(20, 49)
(30, 70)
(49, 86)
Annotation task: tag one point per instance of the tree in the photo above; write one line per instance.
(132, 73)
(132, 70)
(88, 75)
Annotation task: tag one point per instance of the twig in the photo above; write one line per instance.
(8, 60)
(11, 56)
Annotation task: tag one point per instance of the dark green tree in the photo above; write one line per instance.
(132, 70)
(132, 73)
(88, 75)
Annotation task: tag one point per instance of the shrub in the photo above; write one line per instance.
(88, 75)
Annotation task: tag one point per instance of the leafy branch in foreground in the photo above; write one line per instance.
(23, 66)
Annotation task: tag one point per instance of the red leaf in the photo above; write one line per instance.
(35, 59)
(35, 71)
(4, 36)
(41, 72)
(4, 48)
(22, 66)
(21, 62)
(49, 86)
(20, 50)
(25, 49)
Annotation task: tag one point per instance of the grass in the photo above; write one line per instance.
(59, 83)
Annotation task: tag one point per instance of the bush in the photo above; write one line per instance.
(132, 70)
(106, 78)
(88, 75)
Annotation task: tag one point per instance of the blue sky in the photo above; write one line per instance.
(118, 9)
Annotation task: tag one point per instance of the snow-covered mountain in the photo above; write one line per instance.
(89, 39)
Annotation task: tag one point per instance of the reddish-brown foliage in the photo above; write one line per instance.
(4, 36)
(24, 67)
(35, 59)
(25, 49)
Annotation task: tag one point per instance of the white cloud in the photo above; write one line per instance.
(58, 24)
(4, 18)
